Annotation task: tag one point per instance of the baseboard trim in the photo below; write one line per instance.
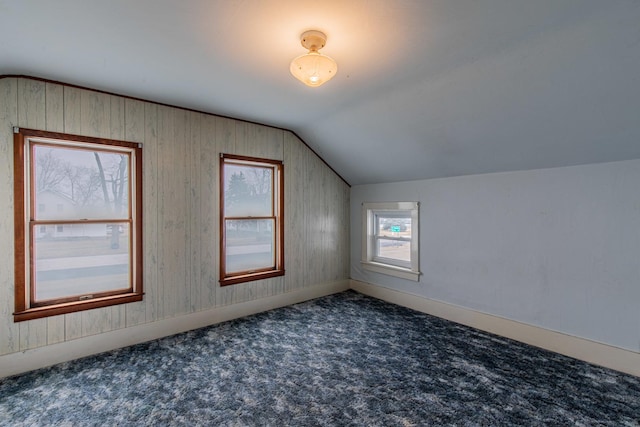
(41, 357)
(579, 348)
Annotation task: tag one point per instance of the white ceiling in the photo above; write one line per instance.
(424, 89)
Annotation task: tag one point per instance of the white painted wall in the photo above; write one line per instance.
(554, 248)
(180, 207)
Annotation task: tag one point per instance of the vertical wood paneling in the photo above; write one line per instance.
(31, 104)
(173, 211)
(72, 110)
(314, 220)
(182, 139)
(294, 210)
(208, 229)
(55, 107)
(55, 329)
(72, 326)
(194, 259)
(33, 334)
(181, 206)
(9, 331)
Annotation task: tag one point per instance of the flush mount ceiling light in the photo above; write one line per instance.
(313, 68)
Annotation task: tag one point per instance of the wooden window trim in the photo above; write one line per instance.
(24, 309)
(277, 209)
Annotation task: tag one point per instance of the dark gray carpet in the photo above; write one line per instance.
(346, 359)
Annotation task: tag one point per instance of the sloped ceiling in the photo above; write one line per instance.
(425, 88)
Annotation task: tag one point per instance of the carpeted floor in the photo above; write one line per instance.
(345, 359)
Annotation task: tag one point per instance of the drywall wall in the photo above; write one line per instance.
(554, 248)
(180, 184)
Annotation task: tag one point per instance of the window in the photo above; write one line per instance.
(95, 184)
(390, 239)
(251, 219)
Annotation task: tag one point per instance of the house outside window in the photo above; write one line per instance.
(90, 184)
(390, 239)
(251, 219)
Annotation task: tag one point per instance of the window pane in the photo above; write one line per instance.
(247, 191)
(393, 226)
(394, 249)
(81, 260)
(79, 183)
(249, 245)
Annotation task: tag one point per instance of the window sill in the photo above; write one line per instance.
(233, 280)
(390, 270)
(72, 307)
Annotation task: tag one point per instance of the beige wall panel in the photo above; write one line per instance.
(96, 321)
(173, 212)
(31, 104)
(182, 139)
(117, 117)
(208, 229)
(258, 141)
(33, 334)
(72, 326)
(294, 212)
(344, 227)
(95, 113)
(194, 260)
(72, 110)
(150, 213)
(314, 221)
(9, 331)
(55, 329)
(54, 95)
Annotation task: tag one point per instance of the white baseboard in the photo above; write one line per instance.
(16, 363)
(579, 348)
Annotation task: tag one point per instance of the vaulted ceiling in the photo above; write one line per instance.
(424, 89)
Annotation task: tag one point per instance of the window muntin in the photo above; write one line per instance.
(390, 238)
(72, 192)
(251, 219)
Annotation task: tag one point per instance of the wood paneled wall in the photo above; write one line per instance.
(181, 237)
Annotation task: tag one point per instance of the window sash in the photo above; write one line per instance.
(102, 266)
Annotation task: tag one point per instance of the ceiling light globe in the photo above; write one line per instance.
(313, 68)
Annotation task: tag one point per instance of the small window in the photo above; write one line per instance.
(95, 184)
(390, 239)
(251, 219)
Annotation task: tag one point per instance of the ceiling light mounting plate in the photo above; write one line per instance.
(313, 40)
